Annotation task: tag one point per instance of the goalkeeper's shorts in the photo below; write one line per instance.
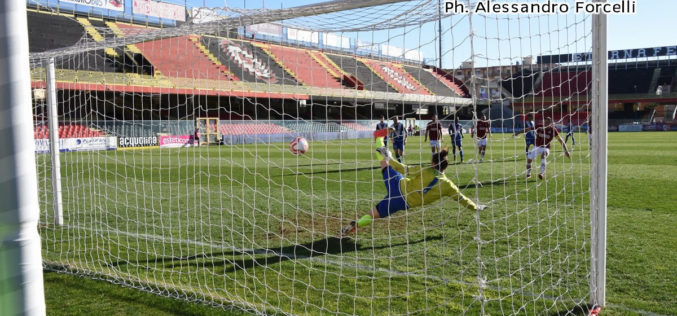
(394, 201)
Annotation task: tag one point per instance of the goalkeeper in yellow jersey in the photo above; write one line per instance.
(412, 186)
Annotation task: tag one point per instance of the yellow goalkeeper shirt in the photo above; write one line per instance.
(419, 186)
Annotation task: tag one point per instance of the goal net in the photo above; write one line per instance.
(242, 222)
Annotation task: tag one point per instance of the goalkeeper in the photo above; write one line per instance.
(412, 186)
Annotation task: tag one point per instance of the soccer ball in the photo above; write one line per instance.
(298, 146)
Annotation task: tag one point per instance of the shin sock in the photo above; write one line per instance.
(365, 221)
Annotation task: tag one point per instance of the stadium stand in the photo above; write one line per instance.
(666, 78)
(322, 60)
(124, 59)
(562, 84)
(450, 81)
(313, 127)
(369, 80)
(205, 59)
(629, 80)
(356, 127)
(95, 35)
(521, 83)
(251, 128)
(346, 79)
(164, 53)
(245, 61)
(67, 131)
(395, 77)
(131, 52)
(144, 128)
(47, 31)
(305, 68)
(205, 51)
(432, 82)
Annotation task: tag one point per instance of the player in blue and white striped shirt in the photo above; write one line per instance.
(456, 133)
(529, 128)
(399, 136)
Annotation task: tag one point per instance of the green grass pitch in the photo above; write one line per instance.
(256, 224)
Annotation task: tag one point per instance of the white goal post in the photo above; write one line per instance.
(20, 255)
(598, 185)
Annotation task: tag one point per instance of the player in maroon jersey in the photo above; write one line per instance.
(482, 132)
(544, 135)
(434, 130)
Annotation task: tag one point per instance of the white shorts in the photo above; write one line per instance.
(537, 151)
(435, 144)
(482, 142)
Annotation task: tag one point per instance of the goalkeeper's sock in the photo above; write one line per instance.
(460, 151)
(366, 220)
(380, 142)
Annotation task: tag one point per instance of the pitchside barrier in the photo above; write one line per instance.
(78, 144)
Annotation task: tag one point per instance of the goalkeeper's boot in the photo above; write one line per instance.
(482, 207)
(541, 176)
(385, 153)
(351, 228)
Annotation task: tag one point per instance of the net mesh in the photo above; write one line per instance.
(244, 223)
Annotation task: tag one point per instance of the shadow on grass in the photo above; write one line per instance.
(578, 310)
(316, 248)
(327, 246)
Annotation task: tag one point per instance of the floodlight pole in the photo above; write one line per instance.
(57, 200)
(598, 176)
(20, 257)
